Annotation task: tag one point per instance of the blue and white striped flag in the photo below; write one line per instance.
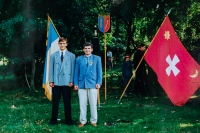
(52, 46)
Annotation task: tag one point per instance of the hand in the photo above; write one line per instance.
(70, 84)
(98, 86)
(75, 88)
(51, 84)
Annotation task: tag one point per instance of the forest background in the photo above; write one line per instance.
(23, 34)
(24, 27)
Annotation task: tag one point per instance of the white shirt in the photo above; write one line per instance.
(109, 54)
(63, 52)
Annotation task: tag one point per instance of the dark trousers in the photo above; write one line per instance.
(56, 94)
(109, 63)
(140, 84)
(126, 80)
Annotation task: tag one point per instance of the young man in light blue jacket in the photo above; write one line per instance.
(87, 80)
(62, 64)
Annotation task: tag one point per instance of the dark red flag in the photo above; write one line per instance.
(178, 73)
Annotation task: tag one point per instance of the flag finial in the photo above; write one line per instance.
(169, 11)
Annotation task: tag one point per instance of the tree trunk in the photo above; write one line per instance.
(130, 40)
(33, 74)
(3, 61)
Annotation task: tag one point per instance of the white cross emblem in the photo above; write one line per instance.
(172, 65)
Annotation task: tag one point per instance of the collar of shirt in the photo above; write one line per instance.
(63, 52)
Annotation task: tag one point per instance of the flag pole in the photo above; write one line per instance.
(104, 26)
(140, 61)
(153, 39)
(105, 65)
(126, 87)
(169, 11)
(98, 98)
(48, 26)
(49, 19)
(48, 22)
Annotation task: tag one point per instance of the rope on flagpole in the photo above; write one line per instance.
(141, 61)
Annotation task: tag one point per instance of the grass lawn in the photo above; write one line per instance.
(20, 112)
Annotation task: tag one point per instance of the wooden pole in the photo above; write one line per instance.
(98, 98)
(105, 66)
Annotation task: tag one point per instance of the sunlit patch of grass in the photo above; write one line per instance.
(186, 125)
(21, 112)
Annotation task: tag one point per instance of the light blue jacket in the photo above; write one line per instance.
(62, 73)
(87, 76)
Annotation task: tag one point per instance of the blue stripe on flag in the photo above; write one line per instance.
(52, 36)
(101, 23)
(52, 46)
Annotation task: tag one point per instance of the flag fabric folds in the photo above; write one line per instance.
(52, 46)
(177, 72)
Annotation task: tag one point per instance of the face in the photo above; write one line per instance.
(62, 45)
(88, 50)
(127, 58)
(143, 48)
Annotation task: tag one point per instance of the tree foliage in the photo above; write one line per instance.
(23, 27)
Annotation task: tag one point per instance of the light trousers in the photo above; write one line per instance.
(86, 95)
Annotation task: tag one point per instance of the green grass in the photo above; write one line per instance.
(20, 112)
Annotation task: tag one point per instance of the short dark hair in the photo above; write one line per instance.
(142, 45)
(62, 39)
(87, 44)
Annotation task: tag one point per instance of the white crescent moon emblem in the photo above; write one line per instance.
(194, 75)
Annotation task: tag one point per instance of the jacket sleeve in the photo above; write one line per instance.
(73, 60)
(99, 71)
(51, 68)
(76, 72)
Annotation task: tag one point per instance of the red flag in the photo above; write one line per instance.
(178, 73)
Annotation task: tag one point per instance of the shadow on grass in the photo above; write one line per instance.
(21, 111)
